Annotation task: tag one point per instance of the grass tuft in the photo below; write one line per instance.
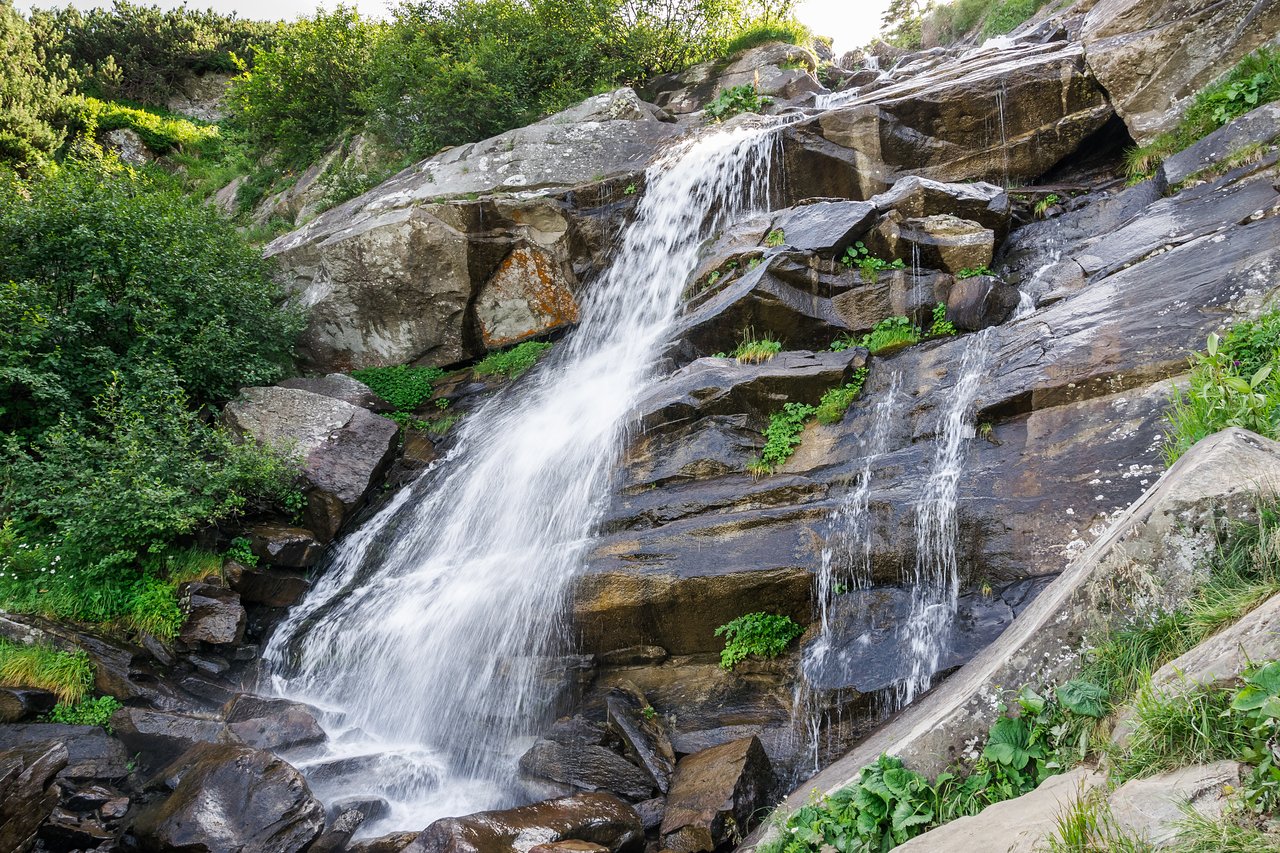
(513, 362)
(68, 675)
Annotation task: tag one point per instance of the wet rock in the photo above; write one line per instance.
(373, 808)
(66, 830)
(161, 736)
(21, 703)
(597, 818)
(690, 90)
(529, 294)
(587, 767)
(577, 730)
(344, 447)
(633, 655)
(395, 842)
(650, 812)
(825, 227)
(27, 791)
(637, 725)
(214, 615)
(334, 839)
(569, 846)
(230, 797)
(891, 293)
(980, 301)
(1152, 57)
(340, 386)
(91, 753)
(282, 545)
(270, 587)
(275, 724)
(714, 795)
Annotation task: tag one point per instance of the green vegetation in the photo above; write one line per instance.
(738, 99)
(951, 22)
(402, 386)
(514, 362)
(941, 327)
(241, 551)
(29, 98)
(890, 334)
(1254, 81)
(1234, 382)
(86, 712)
(68, 675)
(858, 255)
(836, 402)
(775, 238)
(753, 350)
(973, 272)
(1045, 203)
(761, 634)
(765, 30)
(1088, 826)
(782, 436)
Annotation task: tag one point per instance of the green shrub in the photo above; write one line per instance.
(941, 326)
(735, 100)
(858, 255)
(29, 95)
(761, 634)
(972, 272)
(513, 362)
(86, 712)
(1006, 15)
(402, 386)
(782, 436)
(162, 133)
(836, 402)
(241, 551)
(111, 272)
(68, 675)
(775, 238)
(763, 31)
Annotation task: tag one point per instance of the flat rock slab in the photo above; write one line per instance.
(596, 818)
(91, 752)
(1153, 808)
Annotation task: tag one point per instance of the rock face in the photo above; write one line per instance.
(1225, 656)
(1153, 808)
(760, 67)
(231, 798)
(27, 792)
(596, 818)
(412, 272)
(1152, 57)
(714, 795)
(90, 753)
(343, 447)
(214, 615)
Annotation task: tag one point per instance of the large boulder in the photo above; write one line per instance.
(343, 447)
(27, 791)
(1153, 56)
(161, 736)
(714, 796)
(275, 724)
(214, 614)
(586, 767)
(775, 70)
(635, 722)
(20, 703)
(227, 797)
(91, 753)
(597, 818)
(340, 386)
(284, 545)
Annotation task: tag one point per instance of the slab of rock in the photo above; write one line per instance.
(915, 197)
(161, 736)
(275, 724)
(340, 386)
(1222, 658)
(529, 294)
(941, 242)
(637, 725)
(587, 767)
(981, 301)
(394, 842)
(269, 587)
(687, 91)
(343, 447)
(1152, 57)
(1020, 825)
(214, 614)
(20, 703)
(714, 795)
(596, 818)
(229, 797)
(1153, 808)
(283, 545)
(891, 293)
(1257, 127)
(825, 227)
(27, 791)
(91, 753)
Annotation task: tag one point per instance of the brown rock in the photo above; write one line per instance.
(283, 545)
(214, 614)
(714, 795)
(529, 294)
(596, 818)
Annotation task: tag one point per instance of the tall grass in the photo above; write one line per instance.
(761, 32)
(68, 675)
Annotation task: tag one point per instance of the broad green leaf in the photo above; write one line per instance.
(1083, 697)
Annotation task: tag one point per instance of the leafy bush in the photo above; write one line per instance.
(513, 362)
(735, 100)
(763, 31)
(1005, 16)
(68, 675)
(782, 436)
(112, 272)
(86, 712)
(241, 551)
(973, 272)
(402, 386)
(775, 238)
(162, 133)
(858, 255)
(29, 96)
(836, 402)
(761, 634)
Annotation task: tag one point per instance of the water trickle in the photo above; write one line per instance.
(1026, 305)
(1001, 96)
(845, 565)
(430, 639)
(935, 582)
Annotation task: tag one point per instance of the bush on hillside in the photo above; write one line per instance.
(760, 32)
(29, 97)
(106, 273)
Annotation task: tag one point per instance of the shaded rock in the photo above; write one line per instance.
(1257, 127)
(714, 795)
(161, 736)
(577, 730)
(569, 846)
(826, 227)
(1153, 57)
(1154, 808)
(373, 808)
(587, 767)
(696, 741)
(275, 724)
(91, 753)
(344, 447)
(214, 614)
(1020, 825)
(650, 812)
(394, 842)
(980, 301)
(231, 798)
(27, 793)
(269, 587)
(891, 293)
(597, 818)
(340, 386)
(637, 725)
(201, 97)
(282, 545)
(334, 839)
(633, 655)
(529, 294)
(20, 703)
(66, 830)
(692, 89)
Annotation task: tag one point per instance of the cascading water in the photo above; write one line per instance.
(935, 584)
(428, 639)
(845, 564)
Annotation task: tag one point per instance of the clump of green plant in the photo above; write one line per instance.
(241, 551)
(836, 402)
(890, 333)
(775, 238)
(1045, 203)
(1088, 826)
(1255, 80)
(402, 386)
(941, 326)
(68, 675)
(86, 712)
(763, 31)
(782, 436)
(736, 100)
(1232, 383)
(972, 272)
(753, 350)
(514, 362)
(858, 255)
(761, 634)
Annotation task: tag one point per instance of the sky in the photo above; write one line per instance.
(850, 22)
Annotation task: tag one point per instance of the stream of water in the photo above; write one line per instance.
(430, 640)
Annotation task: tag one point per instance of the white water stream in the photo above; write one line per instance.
(430, 640)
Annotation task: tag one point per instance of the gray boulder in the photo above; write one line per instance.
(275, 724)
(340, 386)
(690, 90)
(214, 614)
(586, 767)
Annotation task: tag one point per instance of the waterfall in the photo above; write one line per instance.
(935, 583)
(845, 564)
(430, 639)
(1026, 305)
